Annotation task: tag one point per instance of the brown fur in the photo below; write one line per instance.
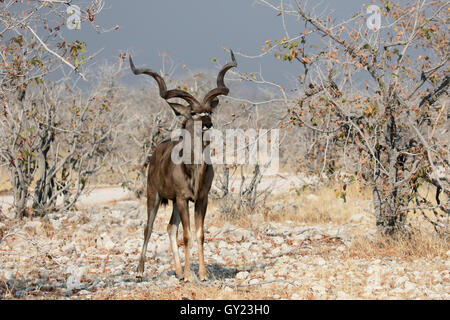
(181, 183)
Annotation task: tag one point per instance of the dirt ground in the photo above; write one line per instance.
(308, 246)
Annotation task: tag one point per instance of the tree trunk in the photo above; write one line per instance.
(20, 190)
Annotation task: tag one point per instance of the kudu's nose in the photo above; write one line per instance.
(207, 126)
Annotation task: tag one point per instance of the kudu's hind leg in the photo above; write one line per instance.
(200, 212)
(183, 208)
(172, 230)
(153, 202)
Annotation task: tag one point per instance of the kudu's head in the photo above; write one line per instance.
(195, 110)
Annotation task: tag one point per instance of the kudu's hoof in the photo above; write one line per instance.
(139, 273)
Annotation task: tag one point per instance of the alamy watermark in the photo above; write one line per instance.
(74, 19)
(236, 146)
(374, 20)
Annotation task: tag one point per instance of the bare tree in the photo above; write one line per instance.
(376, 99)
(51, 135)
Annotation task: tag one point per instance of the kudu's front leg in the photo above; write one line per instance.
(183, 208)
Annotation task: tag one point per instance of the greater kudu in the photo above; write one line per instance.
(182, 182)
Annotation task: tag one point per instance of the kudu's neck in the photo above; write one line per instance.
(197, 143)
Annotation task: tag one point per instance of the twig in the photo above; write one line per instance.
(35, 244)
(56, 55)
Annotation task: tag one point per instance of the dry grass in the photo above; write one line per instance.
(421, 244)
(190, 291)
(103, 178)
(322, 205)
(5, 185)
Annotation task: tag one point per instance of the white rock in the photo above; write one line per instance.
(241, 234)
(400, 280)
(219, 260)
(318, 289)
(56, 224)
(437, 276)
(130, 247)
(242, 275)
(276, 251)
(278, 240)
(317, 237)
(228, 289)
(296, 296)
(73, 281)
(163, 247)
(357, 218)
(162, 268)
(374, 269)
(69, 248)
(134, 223)
(285, 247)
(104, 242)
(267, 245)
(409, 286)
(227, 253)
(116, 216)
(397, 291)
(312, 197)
(299, 237)
(222, 244)
(269, 277)
(341, 295)
(85, 293)
(74, 219)
(253, 281)
(33, 226)
(320, 261)
(7, 275)
(212, 229)
(246, 245)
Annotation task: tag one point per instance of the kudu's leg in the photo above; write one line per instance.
(153, 202)
(200, 212)
(183, 208)
(172, 230)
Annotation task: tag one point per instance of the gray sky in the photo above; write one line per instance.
(194, 31)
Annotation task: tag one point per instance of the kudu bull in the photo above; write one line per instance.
(181, 182)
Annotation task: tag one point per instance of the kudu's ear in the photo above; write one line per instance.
(213, 103)
(181, 110)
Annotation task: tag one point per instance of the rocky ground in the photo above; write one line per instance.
(93, 254)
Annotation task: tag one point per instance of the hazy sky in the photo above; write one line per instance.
(194, 31)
